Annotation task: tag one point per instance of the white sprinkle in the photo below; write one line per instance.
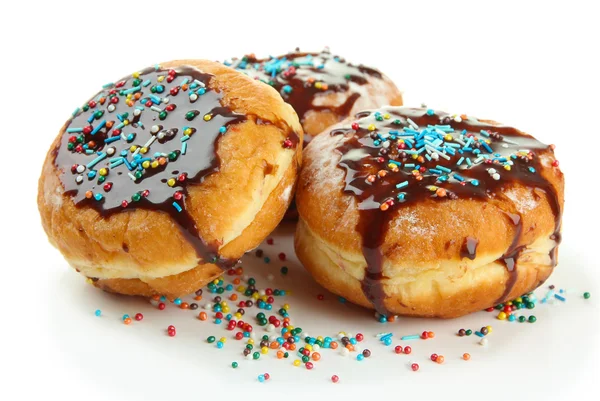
(245, 277)
(479, 159)
(208, 305)
(111, 108)
(496, 176)
(412, 123)
(137, 112)
(110, 151)
(345, 351)
(156, 109)
(303, 335)
(270, 328)
(316, 347)
(458, 119)
(154, 129)
(249, 356)
(193, 97)
(386, 144)
(137, 150)
(262, 292)
(165, 100)
(132, 176)
(483, 341)
(153, 302)
(80, 168)
(504, 145)
(79, 179)
(161, 135)
(492, 171)
(150, 141)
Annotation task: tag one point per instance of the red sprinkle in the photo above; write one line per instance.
(161, 306)
(335, 378)
(398, 349)
(139, 316)
(407, 350)
(414, 367)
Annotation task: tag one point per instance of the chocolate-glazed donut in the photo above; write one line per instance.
(177, 163)
(434, 214)
(323, 88)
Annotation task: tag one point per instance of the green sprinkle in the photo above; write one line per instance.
(234, 365)
(532, 319)
(530, 305)
(256, 355)
(162, 115)
(522, 319)
(587, 295)
(211, 339)
(136, 197)
(284, 270)
(469, 332)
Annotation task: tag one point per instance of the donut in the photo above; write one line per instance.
(168, 176)
(324, 89)
(411, 211)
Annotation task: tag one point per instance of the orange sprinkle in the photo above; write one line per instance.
(184, 87)
(350, 347)
(286, 320)
(324, 87)
(89, 194)
(441, 192)
(292, 347)
(202, 316)
(239, 271)
(127, 320)
(236, 281)
(198, 297)
(102, 100)
(274, 345)
(316, 356)
(233, 297)
(391, 319)
(430, 334)
(109, 124)
(287, 335)
(184, 305)
(440, 359)
(333, 345)
(384, 206)
(162, 161)
(466, 356)
(279, 354)
(155, 297)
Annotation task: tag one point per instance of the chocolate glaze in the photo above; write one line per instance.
(294, 76)
(469, 248)
(363, 157)
(175, 96)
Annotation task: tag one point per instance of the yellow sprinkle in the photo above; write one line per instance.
(126, 122)
(132, 148)
(318, 85)
(223, 303)
(161, 78)
(386, 116)
(297, 362)
(308, 347)
(188, 131)
(448, 137)
(507, 167)
(489, 328)
(290, 327)
(216, 281)
(207, 117)
(250, 341)
(154, 164)
(264, 298)
(255, 295)
(415, 156)
(136, 74)
(371, 127)
(89, 281)
(241, 288)
(320, 338)
(226, 309)
(238, 315)
(518, 300)
(510, 303)
(103, 171)
(223, 339)
(129, 96)
(286, 306)
(144, 150)
(171, 182)
(264, 350)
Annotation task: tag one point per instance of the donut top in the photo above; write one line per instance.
(141, 141)
(301, 77)
(396, 156)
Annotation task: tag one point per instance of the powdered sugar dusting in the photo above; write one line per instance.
(322, 171)
(285, 195)
(523, 200)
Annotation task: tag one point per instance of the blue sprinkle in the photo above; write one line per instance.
(475, 182)
(125, 316)
(219, 344)
(342, 300)
(458, 177)
(90, 119)
(112, 139)
(218, 321)
(387, 341)
(74, 130)
(559, 297)
(177, 207)
(201, 91)
(382, 319)
(229, 287)
(223, 130)
(460, 161)
(512, 318)
(287, 89)
(98, 127)
(485, 133)
(246, 334)
(353, 341)
(163, 298)
(183, 148)
(411, 337)
(402, 184)
(261, 378)
(479, 334)
(532, 169)
(98, 312)
(401, 196)
(430, 112)
(409, 165)
(360, 357)
(177, 301)
(444, 169)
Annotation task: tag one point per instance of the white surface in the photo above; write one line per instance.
(531, 66)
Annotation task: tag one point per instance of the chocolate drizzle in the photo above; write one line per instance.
(140, 143)
(301, 77)
(420, 163)
(469, 248)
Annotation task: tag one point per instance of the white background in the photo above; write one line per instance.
(534, 66)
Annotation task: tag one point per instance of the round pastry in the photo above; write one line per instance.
(166, 177)
(416, 212)
(323, 89)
